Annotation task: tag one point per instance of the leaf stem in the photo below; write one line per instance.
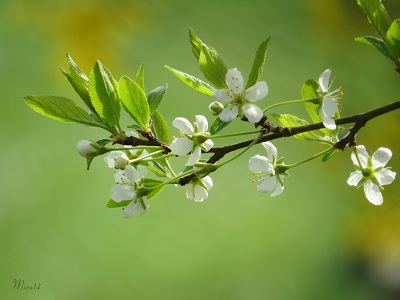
(290, 102)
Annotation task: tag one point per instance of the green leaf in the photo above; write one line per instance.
(375, 43)
(286, 120)
(104, 95)
(329, 154)
(60, 109)
(309, 90)
(393, 40)
(78, 80)
(160, 128)
(148, 182)
(212, 67)
(217, 125)
(155, 96)
(134, 101)
(112, 204)
(211, 64)
(140, 77)
(377, 15)
(193, 82)
(196, 43)
(258, 64)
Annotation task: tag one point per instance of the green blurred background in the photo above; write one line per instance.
(320, 239)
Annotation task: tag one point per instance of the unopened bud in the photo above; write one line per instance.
(121, 162)
(215, 108)
(89, 149)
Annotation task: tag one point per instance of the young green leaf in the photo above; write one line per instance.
(160, 128)
(140, 77)
(78, 80)
(193, 82)
(329, 154)
(286, 120)
(148, 182)
(217, 125)
(377, 15)
(104, 95)
(60, 109)
(309, 90)
(258, 64)
(155, 96)
(112, 204)
(196, 43)
(393, 40)
(134, 101)
(213, 67)
(375, 43)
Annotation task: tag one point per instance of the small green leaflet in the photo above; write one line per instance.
(155, 96)
(286, 120)
(104, 96)
(60, 109)
(375, 43)
(217, 125)
(377, 15)
(329, 154)
(309, 90)
(393, 40)
(258, 64)
(112, 204)
(211, 64)
(213, 67)
(78, 80)
(193, 82)
(160, 128)
(140, 77)
(134, 101)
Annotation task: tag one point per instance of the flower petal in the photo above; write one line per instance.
(200, 193)
(262, 164)
(122, 192)
(381, 157)
(234, 80)
(183, 125)
(268, 185)
(181, 146)
(385, 176)
(131, 133)
(354, 178)
(373, 193)
(272, 152)
(202, 123)
(329, 107)
(323, 80)
(252, 112)
(208, 182)
(257, 91)
(229, 113)
(194, 157)
(190, 191)
(362, 155)
(131, 209)
(110, 158)
(208, 145)
(224, 96)
(278, 189)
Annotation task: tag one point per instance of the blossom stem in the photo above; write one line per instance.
(308, 159)
(357, 157)
(290, 102)
(172, 180)
(133, 148)
(243, 151)
(149, 155)
(233, 134)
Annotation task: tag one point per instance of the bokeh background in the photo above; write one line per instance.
(320, 239)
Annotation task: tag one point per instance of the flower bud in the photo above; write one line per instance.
(121, 162)
(215, 108)
(86, 148)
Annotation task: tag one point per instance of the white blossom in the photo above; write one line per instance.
(371, 172)
(128, 183)
(238, 101)
(198, 188)
(194, 139)
(267, 168)
(329, 106)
